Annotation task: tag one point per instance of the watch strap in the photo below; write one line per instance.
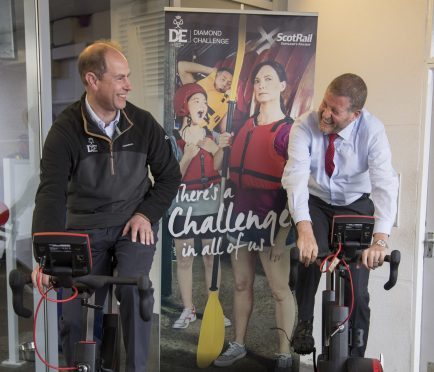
(381, 243)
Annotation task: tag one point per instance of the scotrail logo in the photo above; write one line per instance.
(294, 38)
(178, 34)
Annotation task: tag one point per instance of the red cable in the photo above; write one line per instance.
(45, 297)
(57, 368)
(332, 257)
(39, 282)
(352, 294)
(323, 262)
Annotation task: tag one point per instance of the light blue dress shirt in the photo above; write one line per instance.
(363, 164)
(110, 128)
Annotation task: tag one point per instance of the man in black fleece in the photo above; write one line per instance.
(95, 180)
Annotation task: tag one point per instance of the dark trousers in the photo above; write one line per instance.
(308, 277)
(133, 259)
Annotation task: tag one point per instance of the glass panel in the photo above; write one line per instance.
(73, 25)
(19, 162)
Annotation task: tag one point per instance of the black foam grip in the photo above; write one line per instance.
(215, 272)
(99, 281)
(92, 281)
(293, 274)
(394, 259)
(17, 281)
(146, 293)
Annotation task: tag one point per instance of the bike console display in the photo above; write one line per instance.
(353, 232)
(63, 254)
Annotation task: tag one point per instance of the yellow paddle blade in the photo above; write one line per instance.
(212, 332)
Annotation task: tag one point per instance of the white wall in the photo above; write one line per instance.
(384, 42)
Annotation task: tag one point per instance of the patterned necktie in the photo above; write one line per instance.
(330, 153)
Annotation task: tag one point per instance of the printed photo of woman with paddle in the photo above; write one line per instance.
(256, 181)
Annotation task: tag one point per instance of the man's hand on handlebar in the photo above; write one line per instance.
(45, 278)
(306, 243)
(373, 256)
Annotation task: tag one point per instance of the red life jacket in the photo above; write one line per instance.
(254, 162)
(200, 173)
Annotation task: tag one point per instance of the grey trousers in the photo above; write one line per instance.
(133, 259)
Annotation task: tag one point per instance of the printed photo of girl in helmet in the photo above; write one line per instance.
(200, 159)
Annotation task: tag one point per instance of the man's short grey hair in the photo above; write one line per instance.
(351, 86)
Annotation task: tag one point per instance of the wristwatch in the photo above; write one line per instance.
(382, 243)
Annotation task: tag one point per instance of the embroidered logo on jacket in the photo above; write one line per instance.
(91, 147)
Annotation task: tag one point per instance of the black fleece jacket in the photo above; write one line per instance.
(91, 181)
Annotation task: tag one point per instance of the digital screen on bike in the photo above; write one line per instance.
(354, 232)
(63, 253)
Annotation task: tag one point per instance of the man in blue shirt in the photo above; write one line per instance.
(351, 175)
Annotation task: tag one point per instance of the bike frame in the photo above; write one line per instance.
(68, 258)
(354, 233)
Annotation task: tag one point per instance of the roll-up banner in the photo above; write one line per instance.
(235, 82)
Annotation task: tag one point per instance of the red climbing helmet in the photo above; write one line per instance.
(182, 95)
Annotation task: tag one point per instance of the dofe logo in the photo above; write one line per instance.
(177, 34)
(91, 147)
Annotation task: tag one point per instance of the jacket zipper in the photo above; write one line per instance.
(110, 141)
(112, 160)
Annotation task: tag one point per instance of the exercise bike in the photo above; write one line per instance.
(67, 258)
(350, 236)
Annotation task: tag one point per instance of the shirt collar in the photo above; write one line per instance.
(97, 119)
(346, 132)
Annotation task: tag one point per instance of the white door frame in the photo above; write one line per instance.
(424, 156)
(420, 229)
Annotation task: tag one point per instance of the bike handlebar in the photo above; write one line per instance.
(394, 259)
(18, 279)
